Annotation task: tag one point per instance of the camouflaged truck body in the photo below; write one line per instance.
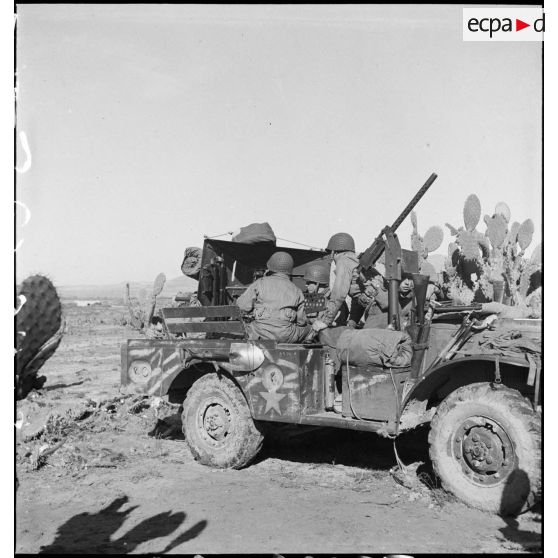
(286, 386)
(290, 382)
(508, 353)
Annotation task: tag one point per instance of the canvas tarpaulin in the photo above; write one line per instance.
(380, 347)
(254, 233)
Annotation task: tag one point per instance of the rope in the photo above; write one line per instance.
(217, 236)
(300, 244)
(278, 238)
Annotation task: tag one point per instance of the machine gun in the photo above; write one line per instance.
(371, 255)
(397, 260)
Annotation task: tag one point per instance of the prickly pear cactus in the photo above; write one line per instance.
(518, 271)
(459, 293)
(496, 230)
(39, 331)
(503, 209)
(158, 285)
(143, 310)
(431, 241)
(471, 212)
(466, 255)
(525, 234)
(536, 256)
(531, 273)
(511, 238)
(534, 303)
(473, 245)
(137, 315)
(497, 259)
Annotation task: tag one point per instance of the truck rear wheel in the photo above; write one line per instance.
(485, 445)
(217, 424)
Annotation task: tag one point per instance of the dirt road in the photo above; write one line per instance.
(112, 488)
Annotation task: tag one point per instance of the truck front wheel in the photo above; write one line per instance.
(485, 447)
(217, 424)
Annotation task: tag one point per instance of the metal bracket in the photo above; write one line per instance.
(497, 376)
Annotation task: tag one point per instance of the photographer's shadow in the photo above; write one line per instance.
(514, 499)
(91, 532)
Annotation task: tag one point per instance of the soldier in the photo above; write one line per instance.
(376, 312)
(317, 282)
(364, 289)
(276, 304)
(155, 330)
(342, 248)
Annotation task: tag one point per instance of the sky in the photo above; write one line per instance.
(150, 126)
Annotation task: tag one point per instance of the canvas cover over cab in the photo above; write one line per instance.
(227, 268)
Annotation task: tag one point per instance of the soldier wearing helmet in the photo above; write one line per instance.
(342, 248)
(276, 304)
(317, 278)
(317, 282)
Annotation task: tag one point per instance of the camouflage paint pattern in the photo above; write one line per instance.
(288, 382)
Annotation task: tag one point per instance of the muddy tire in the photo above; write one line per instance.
(485, 445)
(217, 424)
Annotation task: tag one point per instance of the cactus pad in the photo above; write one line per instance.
(512, 235)
(40, 320)
(453, 230)
(525, 233)
(497, 229)
(452, 247)
(503, 209)
(433, 238)
(471, 212)
(426, 268)
(473, 244)
(158, 284)
(536, 256)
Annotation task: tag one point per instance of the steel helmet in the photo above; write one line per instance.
(281, 262)
(317, 273)
(341, 242)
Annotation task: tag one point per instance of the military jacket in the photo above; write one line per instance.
(277, 306)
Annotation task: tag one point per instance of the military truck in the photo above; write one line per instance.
(474, 377)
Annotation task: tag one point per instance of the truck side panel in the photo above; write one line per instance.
(149, 366)
(273, 390)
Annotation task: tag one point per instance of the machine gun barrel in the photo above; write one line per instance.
(371, 255)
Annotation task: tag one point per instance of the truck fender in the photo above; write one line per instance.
(419, 404)
(184, 378)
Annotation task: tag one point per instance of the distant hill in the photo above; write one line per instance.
(172, 286)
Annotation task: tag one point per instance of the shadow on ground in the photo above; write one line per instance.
(91, 532)
(169, 428)
(514, 498)
(62, 385)
(344, 447)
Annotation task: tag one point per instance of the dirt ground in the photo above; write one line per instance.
(122, 481)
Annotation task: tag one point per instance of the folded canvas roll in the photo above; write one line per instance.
(254, 233)
(380, 347)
